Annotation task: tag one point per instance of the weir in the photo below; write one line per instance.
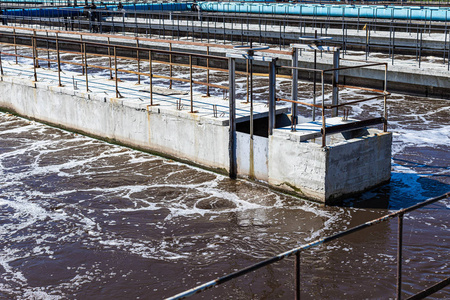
(325, 159)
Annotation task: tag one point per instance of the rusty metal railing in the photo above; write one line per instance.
(54, 46)
(297, 251)
(349, 126)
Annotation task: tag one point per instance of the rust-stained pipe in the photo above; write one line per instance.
(151, 76)
(58, 63)
(86, 67)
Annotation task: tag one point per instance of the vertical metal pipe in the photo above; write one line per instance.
(1, 65)
(272, 91)
(151, 76)
(324, 136)
(33, 42)
(86, 67)
(48, 51)
(314, 80)
(36, 49)
(294, 89)
(170, 66)
(15, 45)
(138, 61)
(385, 99)
(335, 82)
(399, 256)
(248, 80)
(207, 72)
(110, 60)
(232, 118)
(115, 72)
(190, 83)
(82, 56)
(297, 276)
(58, 61)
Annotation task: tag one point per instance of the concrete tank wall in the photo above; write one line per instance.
(172, 133)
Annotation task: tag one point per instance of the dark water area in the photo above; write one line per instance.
(84, 219)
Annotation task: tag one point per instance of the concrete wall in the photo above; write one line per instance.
(327, 174)
(252, 162)
(358, 164)
(170, 132)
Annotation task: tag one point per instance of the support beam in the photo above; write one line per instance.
(232, 131)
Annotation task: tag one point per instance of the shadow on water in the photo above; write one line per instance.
(404, 190)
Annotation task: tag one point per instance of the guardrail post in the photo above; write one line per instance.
(58, 61)
(385, 100)
(232, 118)
(399, 256)
(48, 51)
(294, 89)
(207, 72)
(110, 59)
(170, 66)
(81, 50)
(335, 81)
(138, 61)
(1, 65)
(272, 103)
(86, 67)
(115, 72)
(151, 76)
(15, 45)
(33, 43)
(324, 135)
(190, 84)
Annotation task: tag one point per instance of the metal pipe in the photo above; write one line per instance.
(138, 61)
(151, 76)
(190, 84)
(324, 135)
(207, 72)
(294, 89)
(115, 72)
(86, 67)
(170, 65)
(232, 118)
(110, 59)
(58, 62)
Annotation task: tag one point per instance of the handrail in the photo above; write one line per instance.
(324, 131)
(148, 53)
(296, 251)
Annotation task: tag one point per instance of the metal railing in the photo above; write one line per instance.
(242, 28)
(297, 251)
(54, 46)
(323, 106)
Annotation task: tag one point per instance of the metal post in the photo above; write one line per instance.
(58, 62)
(294, 89)
(138, 61)
(190, 83)
(324, 136)
(297, 276)
(170, 66)
(272, 103)
(1, 65)
(110, 60)
(115, 72)
(82, 56)
(247, 62)
(151, 76)
(36, 49)
(314, 80)
(48, 51)
(86, 67)
(399, 256)
(335, 81)
(207, 72)
(232, 118)
(15, 46)
(33, 42)
(385, 99)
